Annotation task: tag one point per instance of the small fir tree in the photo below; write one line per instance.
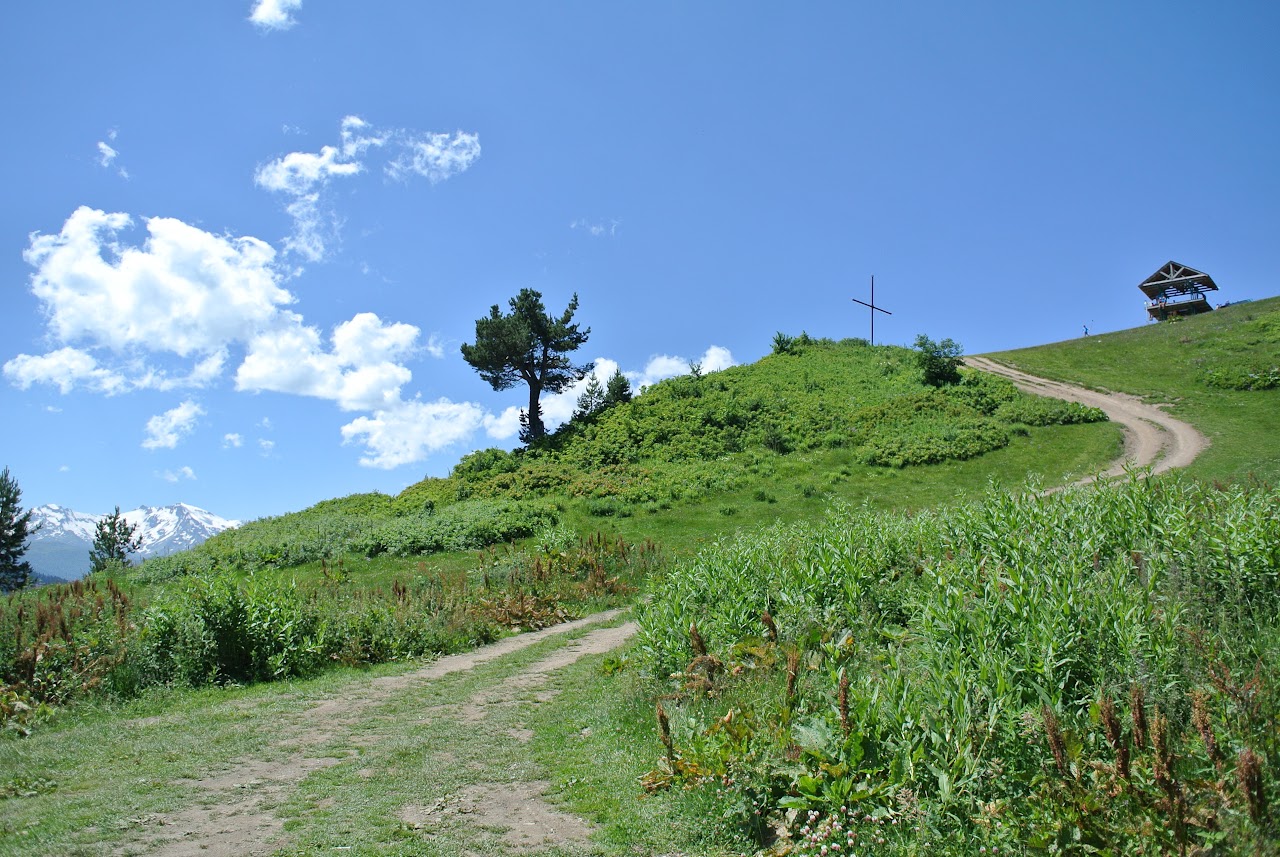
(592, 401)
(113, 542)
(15, 530)
(618, 390)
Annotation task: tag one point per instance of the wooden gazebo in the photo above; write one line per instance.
(1176, 290)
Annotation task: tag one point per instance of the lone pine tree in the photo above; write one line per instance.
(528, 346)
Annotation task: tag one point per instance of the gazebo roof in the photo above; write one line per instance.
(1176, 279)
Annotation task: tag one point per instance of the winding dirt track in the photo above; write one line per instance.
(1152, 438)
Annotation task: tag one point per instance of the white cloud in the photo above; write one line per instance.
(359, 372)
(596, 229)
(409, 431)
(178, 475)
(165, 430)
(106, 154)
(274, 14)
(434, 347)
(266, 446)
(185, 291)
(435, 157)
(664, 366)
(305, 176)
(64, 368)
(231, 440)
(503, 426)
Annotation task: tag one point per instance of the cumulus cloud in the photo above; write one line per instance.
(359, 371)
(266, 446)
(187, 299)
(185, 291)
(410, 431)
(231, 440)
(178, 475)
(65, 369)
(165, 430)
(274, 14)
(304, 177)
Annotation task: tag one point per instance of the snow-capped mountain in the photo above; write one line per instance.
(60, 547)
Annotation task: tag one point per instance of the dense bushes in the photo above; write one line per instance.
(990, 674)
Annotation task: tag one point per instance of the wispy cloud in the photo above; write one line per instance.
(272, 15)
(164, 431)
(596, 228)
(178, 475)
(303, 178)
(107, 155)
(231, 440)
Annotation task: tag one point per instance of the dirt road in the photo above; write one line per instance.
(230, 812)
(1152, 438)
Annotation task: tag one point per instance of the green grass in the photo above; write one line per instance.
(1176, 363)
(597, 737)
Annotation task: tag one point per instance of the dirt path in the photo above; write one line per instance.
(231, 811)
(1152, 438)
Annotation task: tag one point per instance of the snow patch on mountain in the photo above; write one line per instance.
(60, 547)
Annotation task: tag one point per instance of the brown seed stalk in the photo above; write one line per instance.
(1115, 736)
(770, 629)
(843, 698)
(1203, 722)
(1053, 731)
(793, 670)
(664, 733)
(1249, 775)
(695, 640)
(1162, 757)
(1138, 708)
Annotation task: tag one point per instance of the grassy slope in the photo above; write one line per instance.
(1169, 363)
(611, 719)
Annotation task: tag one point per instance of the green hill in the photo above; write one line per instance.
(849, 626)
(772, 440)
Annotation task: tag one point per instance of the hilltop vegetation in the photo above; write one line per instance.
(684, 440)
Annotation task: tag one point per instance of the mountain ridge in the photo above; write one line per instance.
(59, 548)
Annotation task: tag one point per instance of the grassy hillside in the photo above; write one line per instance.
(773, 440)
(1219, 371)
(945, 665)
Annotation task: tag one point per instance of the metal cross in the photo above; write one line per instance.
(874, 309)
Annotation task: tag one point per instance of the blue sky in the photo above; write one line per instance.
(242, 242)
